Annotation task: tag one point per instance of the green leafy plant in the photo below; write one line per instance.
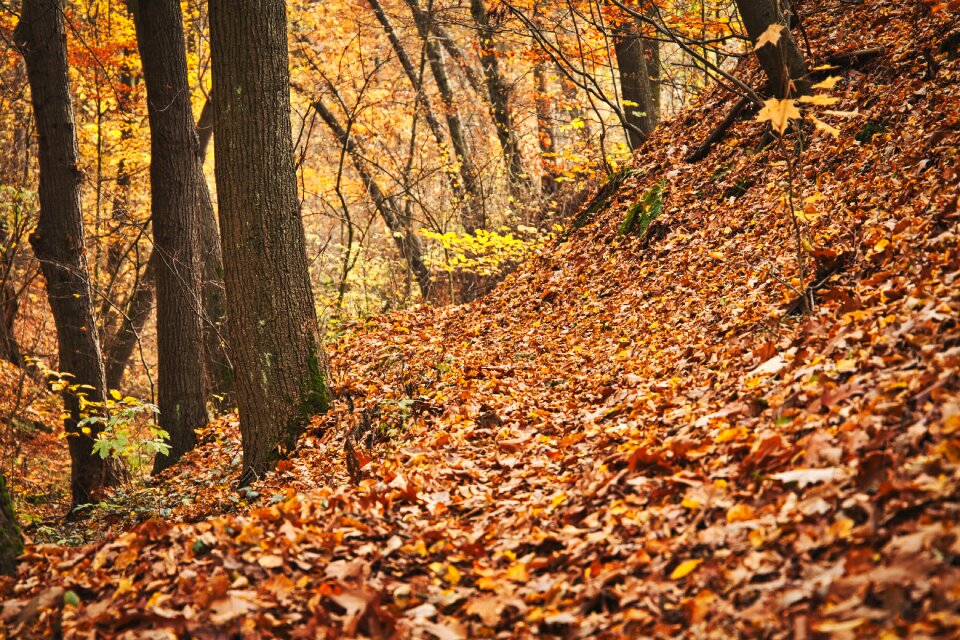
(644, 211)
(120, 435)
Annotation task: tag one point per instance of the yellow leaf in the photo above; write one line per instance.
(779, 113)
(846, 365)
(685, 568)
(823, 126)
(828, 84)
(518, 573)
(820, 100)
(690, 503)
(842, 527)
(716, 255)
(452, 575)
(881, 246)
(116, 395)
(731, 434)
(487, 584)
(740, 513)
(771, 36)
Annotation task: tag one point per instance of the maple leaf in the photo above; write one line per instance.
(779, 113)
(771, 36)
(828, 83)
(823, 126)
(820, 100)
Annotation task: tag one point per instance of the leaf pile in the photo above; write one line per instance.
(632, 435)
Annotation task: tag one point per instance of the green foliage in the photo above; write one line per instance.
(486, 253)
(644, 211)
(121, 436)
(870, 129)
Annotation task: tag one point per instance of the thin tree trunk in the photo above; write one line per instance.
(280, 367)
(499, 98)
(546, 135)
(783, 62)
(120, 348)
(217, 362)
(179, 199)
(474, 216)
(416, 81)
(58, 240)
(9, 348)
(407, 243)
(458, 55)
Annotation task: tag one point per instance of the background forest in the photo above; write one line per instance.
(436, 146)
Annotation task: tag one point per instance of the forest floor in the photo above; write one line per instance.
(636, 434)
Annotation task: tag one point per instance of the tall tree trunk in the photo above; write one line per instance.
(279, 363)
(546, 134)
(474, 216)
(640, 109)
(499, 99)
(407, 243)
(783, 62)
(11, 540)
(179, 200)
(58, 240)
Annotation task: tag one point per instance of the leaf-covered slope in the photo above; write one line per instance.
(631, 435)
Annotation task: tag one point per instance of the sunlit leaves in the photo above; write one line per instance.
(779, 113)
(771, 36)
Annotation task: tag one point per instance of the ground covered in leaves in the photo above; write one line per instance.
(634, 435)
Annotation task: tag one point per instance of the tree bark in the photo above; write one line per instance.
(407, 243)
(58, 240)
(11, 540)
(217, 362)
(783, 62)
(280, 367)
(499, 99)
(635, 84)
(179, 200)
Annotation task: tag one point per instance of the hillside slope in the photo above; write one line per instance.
(632, 435)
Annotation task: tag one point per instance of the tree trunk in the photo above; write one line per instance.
(474, 217)
(11, 541)
(179, 199)
(217, 363)
(9, 347)
(135, 315)
(642, 112)
(280, 367)
(499, 99)
(407, 243)
(546, 134)
(783, 62)
(58, 240)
